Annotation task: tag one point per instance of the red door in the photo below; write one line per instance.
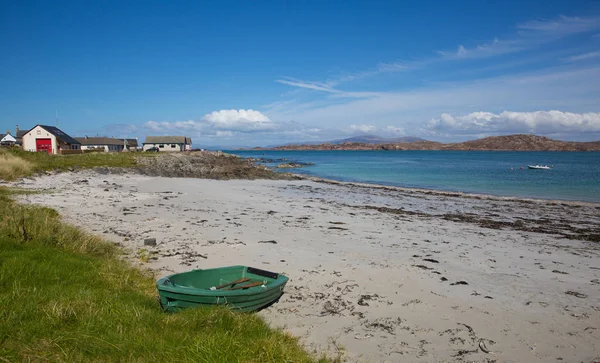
(43, 145)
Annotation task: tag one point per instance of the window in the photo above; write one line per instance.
(39, 132)
(173, 146)
(161, 146)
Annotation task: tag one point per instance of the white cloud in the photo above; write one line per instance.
(238, 120)
(239, 127)
(529, 35)
(247, 121)
(390, 67)
(395, 130)
(224, 134)
(228, 116)
(461, 52)
(541, 122)
(317, 86)
(561, 25)
(560, 88)
(363, 128)
(584, 56)
(496, 47)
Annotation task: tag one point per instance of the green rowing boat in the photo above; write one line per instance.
(240, 287)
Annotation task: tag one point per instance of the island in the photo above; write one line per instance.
(517, 142)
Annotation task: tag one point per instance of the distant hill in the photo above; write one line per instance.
(373, 139)
(517, 142)
(521, 142)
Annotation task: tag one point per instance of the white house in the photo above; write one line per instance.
(49, 139)
(168, 143)
(7, 140)
(107, 143)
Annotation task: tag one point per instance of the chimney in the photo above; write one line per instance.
(86, 136)
(17, 130)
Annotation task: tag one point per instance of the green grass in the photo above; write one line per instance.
(67, 296)
(33, 162)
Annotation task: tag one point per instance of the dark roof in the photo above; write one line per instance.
(20, 133)
(167, 140)
(132, 142)
(103, 141)
(2, 136)
(58, 133)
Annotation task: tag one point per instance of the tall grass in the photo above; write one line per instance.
(16, 163)
(67, 296)
(12, 167)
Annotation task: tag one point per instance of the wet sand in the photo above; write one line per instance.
(378, 274)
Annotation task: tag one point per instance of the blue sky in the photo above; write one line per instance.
(264, 73)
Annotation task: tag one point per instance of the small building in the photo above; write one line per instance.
(49, 139)
(107, 144)
(19, 136)
(132, 144)
(7, 139)
(168, 143)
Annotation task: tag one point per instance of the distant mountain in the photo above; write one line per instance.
(517, 142)
(522, 142)
(374, 139)
(362, 139)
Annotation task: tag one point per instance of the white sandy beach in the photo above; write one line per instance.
(381, 283)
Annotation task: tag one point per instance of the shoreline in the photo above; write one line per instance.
(450, 192)
(389, 274)
(440, 192)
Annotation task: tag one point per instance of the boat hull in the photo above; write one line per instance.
(193, 289)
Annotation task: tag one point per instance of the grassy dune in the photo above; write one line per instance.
(67, 296)
(12, 166)
(23, 163)
(190, 165)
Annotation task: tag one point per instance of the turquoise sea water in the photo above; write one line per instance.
(576, 176)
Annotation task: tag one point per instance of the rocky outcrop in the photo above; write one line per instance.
(293, 165)
(206, 165)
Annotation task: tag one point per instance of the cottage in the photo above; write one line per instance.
(7, 139)
(132, 144)
(49, 139)
(168, 143)
(107, 144)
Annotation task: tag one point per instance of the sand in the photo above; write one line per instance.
(376, 274)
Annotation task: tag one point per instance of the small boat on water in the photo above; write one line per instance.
(536, 166)
(240, 287)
